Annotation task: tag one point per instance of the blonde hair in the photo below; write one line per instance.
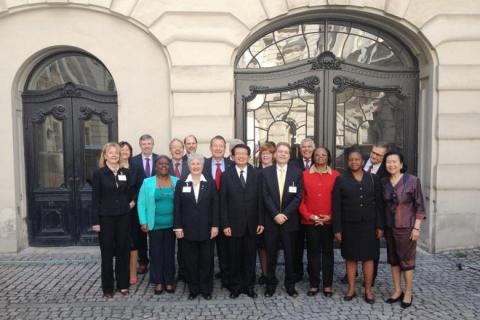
(106, 147)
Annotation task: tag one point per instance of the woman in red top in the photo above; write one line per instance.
(316, 215)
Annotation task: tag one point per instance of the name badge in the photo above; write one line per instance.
(292, 189)
(122, 177)
(187, 189)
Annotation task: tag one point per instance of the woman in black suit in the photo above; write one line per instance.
(196, 222)
(358, 220)
(112, 201)
(135, 184)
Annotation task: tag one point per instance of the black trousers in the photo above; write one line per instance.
(222, 253)
(243, 257)
(180, 259)
(198, 257)
(272, 239)
(298, 252)
(320, 253)
(114, 242)
(162, 256)
(142, 246)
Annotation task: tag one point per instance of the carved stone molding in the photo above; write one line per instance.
(326, 60)
(86, 113)
(58, 112)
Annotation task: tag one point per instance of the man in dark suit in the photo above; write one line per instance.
(144, 161)
(191, 144)
(282, 193)
(303, 163)
(241, 220)
(212, 170)
(179, 165)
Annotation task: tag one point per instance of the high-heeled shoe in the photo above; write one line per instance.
(369, 300)
(393, 300)
(405, 305)
(312, 292)
(349, 298)
(327, 294)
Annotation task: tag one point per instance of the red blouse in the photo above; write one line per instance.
(317, 194)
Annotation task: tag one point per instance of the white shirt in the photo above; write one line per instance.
(196, 188)
(244, 172)
(374, 168)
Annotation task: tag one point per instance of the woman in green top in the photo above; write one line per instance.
(155, 212)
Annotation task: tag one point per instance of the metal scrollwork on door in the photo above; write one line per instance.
(87, 112)
(308, 83)
(70, 90)
(326, 60)
(58, 112)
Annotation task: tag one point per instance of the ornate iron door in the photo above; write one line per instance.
(65, 129)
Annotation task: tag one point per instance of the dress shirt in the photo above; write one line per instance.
(375, 167)
(308, 162)
(144, 160)
(222, 167)
(180, 163)
(244, 172)
(196, 187)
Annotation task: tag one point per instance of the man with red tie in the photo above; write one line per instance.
(179, 166)
(303, 163)
(212, 170)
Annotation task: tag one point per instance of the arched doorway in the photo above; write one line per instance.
(337, 81)
(70, 111)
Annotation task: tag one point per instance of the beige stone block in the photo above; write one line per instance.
(459, 77)
(41, 1)
(459, 52)
(275, 8)
(459, 101)
(194, 53)
(457, 230)
(338, 2)
(377, 4)
(202, 103)
(459, 151)
(15, 3)
(445, 28)
(421, 11)
(292, 4)
(455, 201)
(397, 7)
(101, 3)
(79, 1)
(314, 3)
(458, 177)
(459, 126)
(123, 7)
(204, 128)
(199, 27)
(202, 78)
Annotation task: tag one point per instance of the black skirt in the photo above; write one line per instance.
(359, 241)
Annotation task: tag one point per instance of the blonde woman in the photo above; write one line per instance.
(112, 200)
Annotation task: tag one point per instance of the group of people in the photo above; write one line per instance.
(195, 204)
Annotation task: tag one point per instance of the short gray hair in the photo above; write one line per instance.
(308, 140)
(196, 156)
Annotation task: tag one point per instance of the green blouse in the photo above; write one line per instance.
(163, 208)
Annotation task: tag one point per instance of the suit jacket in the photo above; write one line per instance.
(241, 208)
(146, 201)
(111, 195)
(185, 171)
(299, 163)
(381, 173)
(196, 218)
(138, 161)
(207, 167)
(290, 200)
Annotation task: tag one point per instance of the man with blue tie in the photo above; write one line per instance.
(212, 170)
(282, 186)
(144, 161)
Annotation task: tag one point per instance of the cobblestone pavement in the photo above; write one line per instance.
(64, 283)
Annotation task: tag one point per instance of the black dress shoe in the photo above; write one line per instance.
(312, 292)
(234, 294)
(207, 296)
(369, 300)
(192, 296)
(393, 300)
(269, 292)
(405, 305)
(328, 294)
(292, 292)
(262, 280)
(349, 298)
(158, 292)
(170, 290)
(251, 293)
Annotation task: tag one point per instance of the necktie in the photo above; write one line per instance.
(370, 168)
(218, 174)
(307, 164)
(281, 183)
(177, 171)
(242, 179)
(147, 167)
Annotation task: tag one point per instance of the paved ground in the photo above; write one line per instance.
(63, 283)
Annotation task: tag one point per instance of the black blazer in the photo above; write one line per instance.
(241, 209)
(138, 161)
(136, 179)
(185, 171)
(290, 200)
(207, 167)
(299, 163)
(196, 218)
(108, 199)
(381, 173)
(355, 201)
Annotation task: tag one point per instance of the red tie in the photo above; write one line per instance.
(218, 175)
(370, 168)
(307, 167)
(177, 172)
